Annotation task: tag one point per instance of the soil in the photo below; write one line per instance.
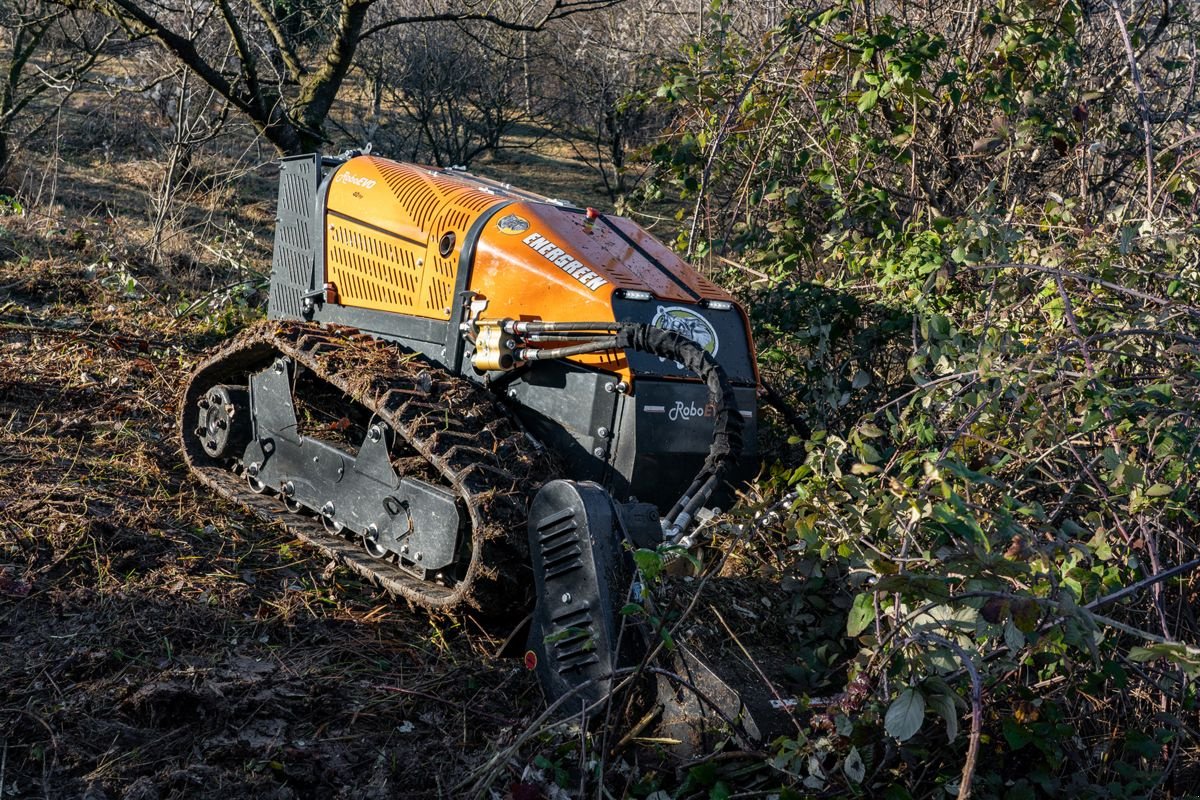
(158, 643)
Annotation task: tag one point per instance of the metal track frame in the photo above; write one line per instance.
(480, 451)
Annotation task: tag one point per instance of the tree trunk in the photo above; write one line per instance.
(319, 91)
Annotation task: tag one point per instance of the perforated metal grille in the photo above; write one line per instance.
(420, 192)
(371, 270)
(411, 188)
(440, 278)
(378, 266)
(293, 260)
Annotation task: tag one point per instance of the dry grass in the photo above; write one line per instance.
(159, 643)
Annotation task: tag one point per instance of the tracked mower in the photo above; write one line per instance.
(472, 394)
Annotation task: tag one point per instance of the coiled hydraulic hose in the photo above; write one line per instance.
(726, 446)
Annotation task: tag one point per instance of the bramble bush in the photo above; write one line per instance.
(983, 295)
(987, 517)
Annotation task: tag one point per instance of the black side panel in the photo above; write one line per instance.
(581, 575)
(569, 410)
(416, 521)
(721, 332)
(293, 267)
(647, 445)
(663, 433)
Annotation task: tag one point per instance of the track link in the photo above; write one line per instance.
(463, 433)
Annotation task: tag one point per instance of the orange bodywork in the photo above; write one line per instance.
(395, 233)
(384, 222)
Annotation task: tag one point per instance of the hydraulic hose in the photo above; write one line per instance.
(726, 446)
(544, 354)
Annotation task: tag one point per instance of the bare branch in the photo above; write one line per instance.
(129, 11)
(968, 770)
(247, 62)
(1151, 580)
(1143, 105)
(559, 10)
(295, 69)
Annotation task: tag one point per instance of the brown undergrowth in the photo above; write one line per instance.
(160, 643)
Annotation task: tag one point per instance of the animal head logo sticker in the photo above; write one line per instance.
(512, 224)
(687, 322)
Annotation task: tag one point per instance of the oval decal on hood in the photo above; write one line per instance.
(687, 322)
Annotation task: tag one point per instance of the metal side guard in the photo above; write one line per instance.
(582, 576)
(583, 573)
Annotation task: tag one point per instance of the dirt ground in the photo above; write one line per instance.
(156, 642)
(159, 643)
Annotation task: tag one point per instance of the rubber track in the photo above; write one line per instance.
(464, 433)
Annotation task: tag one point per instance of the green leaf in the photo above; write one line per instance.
(862, 613)
(905, 715)
(1013, 638)
(923, 586)
(945, 707)
(1016, 734)
(704, 774)
(1025, 615)
(1159, 490)
(855, 769)
(1185, 657)
(1100, 546)
(649, 562)
(569, 633)
(868, 100)
(870, 430)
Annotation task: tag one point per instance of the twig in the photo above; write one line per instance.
(208, 295)
(1191, 311)
(479, 780)
(756, 273)
(719, 139)
(1143, 105)
(436, 699)
(700, 694)
(86, 334)
(793, 418)
(1069, 313)
(761, 675)
(1132, 631)
(1165, 575)
(636, 730)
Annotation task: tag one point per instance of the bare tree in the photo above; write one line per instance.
(47, 49)
(462, 89)
(195, 118)
(605, 68)
(281, 65)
